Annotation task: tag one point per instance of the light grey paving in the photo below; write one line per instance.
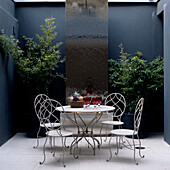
(18, 154)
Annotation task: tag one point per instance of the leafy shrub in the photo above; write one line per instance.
(135, 78)
(37, 64)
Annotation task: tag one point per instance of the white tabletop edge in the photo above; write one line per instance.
(91, 109)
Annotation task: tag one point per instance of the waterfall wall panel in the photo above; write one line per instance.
(86, 46)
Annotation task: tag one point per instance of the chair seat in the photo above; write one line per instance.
(58, 133)
(123, 132)
(48, 125)
(112, 123)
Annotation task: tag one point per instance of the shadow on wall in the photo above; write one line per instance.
(7, 113)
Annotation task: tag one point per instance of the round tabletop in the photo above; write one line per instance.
(91, 108)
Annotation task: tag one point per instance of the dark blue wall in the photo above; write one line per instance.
(9, 6)
(166, 15)
(137, 27)
(8, 23)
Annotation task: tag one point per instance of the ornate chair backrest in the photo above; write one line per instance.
(118, 101)
(39, 99)
(51, 113)
(138, 114)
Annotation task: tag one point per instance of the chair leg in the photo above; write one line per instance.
(142, 156)
(65, 143)
(106, 133)
(93, 143)
(101, 133)
(73, 143)
(44, 151)
(117, 144)
(74, 151)
(51, 144)
(130, 145)
(53, 147)
(110, 150)
(37, 138)
(134, 149)
(62, 140)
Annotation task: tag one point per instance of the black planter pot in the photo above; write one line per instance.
(32, 126)
(31, 122)
(128, 120)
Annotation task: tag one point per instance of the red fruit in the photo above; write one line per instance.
(80, 98)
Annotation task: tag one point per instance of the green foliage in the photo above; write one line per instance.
(157, 74)
(38, 67)
(9, 45)
(135, 78)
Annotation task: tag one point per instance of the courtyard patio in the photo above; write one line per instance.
(108, 47)
(18, 154)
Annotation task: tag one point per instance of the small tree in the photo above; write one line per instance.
(135, 78)
(9, 46)
(39, 66)
(38, 63)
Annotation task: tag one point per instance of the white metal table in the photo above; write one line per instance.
(85, 129)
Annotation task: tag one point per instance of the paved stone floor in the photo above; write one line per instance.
(18, 154)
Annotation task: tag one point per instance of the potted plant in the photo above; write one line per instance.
(135, 78)
(37, 63)
(156, 94)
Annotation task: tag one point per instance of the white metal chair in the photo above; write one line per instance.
(51, 113)
(118, 101)
(38, 102)
(128, 132)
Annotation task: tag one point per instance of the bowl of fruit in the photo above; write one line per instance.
(76, 101)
